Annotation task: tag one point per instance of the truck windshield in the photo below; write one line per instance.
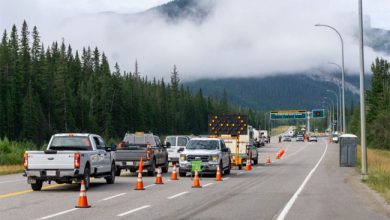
(172, 140)
(202, 145)
(70, 143)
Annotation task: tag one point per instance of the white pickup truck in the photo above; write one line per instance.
(68, 158)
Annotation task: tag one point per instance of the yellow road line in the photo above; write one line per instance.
(27, 191)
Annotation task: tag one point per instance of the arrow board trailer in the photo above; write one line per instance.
(237, 135)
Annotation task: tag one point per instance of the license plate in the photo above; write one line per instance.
(131, 163)
(51, 173)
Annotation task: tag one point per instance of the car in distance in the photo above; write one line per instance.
(335, 138)
(212, 152)
(300, 138)
(140, 145)
(177, 143)
(286, 137)
(68, 158)
(313, 138)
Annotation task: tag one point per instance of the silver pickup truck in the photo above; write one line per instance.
(140, 145)
(68, 158)
(211, 151)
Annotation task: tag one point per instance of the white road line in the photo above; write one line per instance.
(177, 195)
(291, 202)
(169, 180)
(226, 178)
(111, 197)
(12, 181)
(239, 173)
(208, 184)
(60, 213)
(134, 210)
(149, 185)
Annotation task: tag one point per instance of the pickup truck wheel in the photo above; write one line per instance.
(37, 186)
(87, 177)
(227, 171)
(118, 171)
(256, 161)
(111, 179)
(239, 167)
(164, 169)
(182, 174)
(152, 169)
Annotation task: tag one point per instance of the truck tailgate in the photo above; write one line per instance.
(130, 154)
(60, 160)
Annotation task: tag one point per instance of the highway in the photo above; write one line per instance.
(306, 183)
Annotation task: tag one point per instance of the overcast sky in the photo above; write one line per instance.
(240, 38)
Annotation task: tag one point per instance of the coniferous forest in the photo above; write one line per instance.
(50, 89)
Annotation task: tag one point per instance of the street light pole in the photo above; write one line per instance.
(331, 113)
(362, 95)
(337, 107)
(338, 85)
(332, 104)
(342, 70)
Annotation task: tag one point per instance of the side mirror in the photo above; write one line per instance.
(111, 148)
(167, 145)
(180, 150)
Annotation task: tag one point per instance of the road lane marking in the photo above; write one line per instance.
(151, 185)
(239, 173)
(291, 202)
(111, 197)
(26, 191)
(208, 184)
(177, 195)
(134, 210)
(226, 178)
(12, 181)
(59, 213)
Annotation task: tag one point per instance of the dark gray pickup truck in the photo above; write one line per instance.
(139, 145)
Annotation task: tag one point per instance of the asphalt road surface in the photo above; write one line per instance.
(307, 183)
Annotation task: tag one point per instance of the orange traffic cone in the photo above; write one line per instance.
(83, 201)
(248, 164)
(218, 176)
(268, 161)
(174, 174)
(140, 185)
(159, 177)
(196, 183)
(278, 155)
(282, 153)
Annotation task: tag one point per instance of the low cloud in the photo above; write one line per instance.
(239, 38)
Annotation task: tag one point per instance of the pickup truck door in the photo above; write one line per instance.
(159, 151)
(225, 154)
(107, 156)
(98, 155)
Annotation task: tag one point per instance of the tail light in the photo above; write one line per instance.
(148, 153)
(76, 160)
(25, 161)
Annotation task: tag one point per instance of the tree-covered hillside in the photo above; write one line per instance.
(44, 90)
(298, 91)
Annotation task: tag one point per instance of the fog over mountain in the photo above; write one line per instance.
(208, 38)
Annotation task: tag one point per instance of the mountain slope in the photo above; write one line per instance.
(277, 92)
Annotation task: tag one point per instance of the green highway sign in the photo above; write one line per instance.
(288, 114)
(318, 113)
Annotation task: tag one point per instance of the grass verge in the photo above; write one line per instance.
(378, 171)
(9, 169)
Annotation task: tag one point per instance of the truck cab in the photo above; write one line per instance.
(212, 152)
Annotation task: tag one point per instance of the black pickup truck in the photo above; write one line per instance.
(139, 145)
